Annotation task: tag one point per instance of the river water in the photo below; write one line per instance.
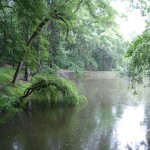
(113, 119)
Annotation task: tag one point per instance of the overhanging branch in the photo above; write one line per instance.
(39, 28)
(78, 6)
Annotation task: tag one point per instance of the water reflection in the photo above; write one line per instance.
(113, 119)
(17, 143)
(131, 128)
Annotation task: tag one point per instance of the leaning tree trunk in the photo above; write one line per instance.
(34, 35)
(16, 75)
(27, 70)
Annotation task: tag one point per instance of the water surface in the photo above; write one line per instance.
(113, 119)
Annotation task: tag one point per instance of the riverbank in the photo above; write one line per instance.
(9, 93)
(68, 74)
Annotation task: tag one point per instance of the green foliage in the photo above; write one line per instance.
(52, 90)
(6, 75)
(7, 103)
(139, 54)
(93, 40)
(77, 67)
(143, 5)
(92, 48)
(76, 34)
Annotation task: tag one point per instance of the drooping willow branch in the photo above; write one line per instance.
(69, 91)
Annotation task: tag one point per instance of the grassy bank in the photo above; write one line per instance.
(9, 93)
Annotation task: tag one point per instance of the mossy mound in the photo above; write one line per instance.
(53, 90)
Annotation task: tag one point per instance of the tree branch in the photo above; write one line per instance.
(147, 30)
(78, 6)
(35, 34)
(1, 7)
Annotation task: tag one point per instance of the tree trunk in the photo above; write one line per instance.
(34, 35)
(27, 74)
(27, 70)
(54, 42)
(16, 75)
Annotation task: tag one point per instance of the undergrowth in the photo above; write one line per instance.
(9, 94)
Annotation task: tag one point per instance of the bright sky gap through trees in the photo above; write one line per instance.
(133, 23)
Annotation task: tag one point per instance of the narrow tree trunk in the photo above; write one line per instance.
(54, 42)
(27, 70)
(16, 75)
(13, 60)
(27, 74)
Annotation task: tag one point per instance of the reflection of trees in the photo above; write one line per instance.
(91, 126)
(44, 130)
(105, 98)
(54, 129)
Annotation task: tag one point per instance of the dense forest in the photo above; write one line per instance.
(38, 38)
(65, 34)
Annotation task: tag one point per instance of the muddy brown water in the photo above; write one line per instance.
(113, 119)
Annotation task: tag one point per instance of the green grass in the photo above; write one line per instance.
(9, 94)
(6, 75)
